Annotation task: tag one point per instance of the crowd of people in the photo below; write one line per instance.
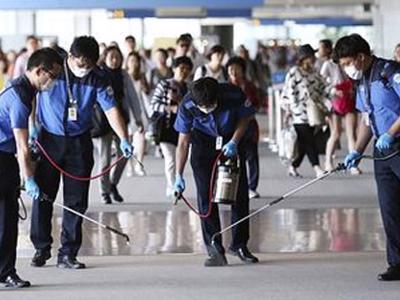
(92, 97)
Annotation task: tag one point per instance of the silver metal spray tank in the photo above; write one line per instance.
(227, 182)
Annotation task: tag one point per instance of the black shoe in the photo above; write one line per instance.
(391, 274)
(40, 257)
(67, 262)
(115, 194)
(244, 254)
(106, 199)
(216, 260)
(14, 282)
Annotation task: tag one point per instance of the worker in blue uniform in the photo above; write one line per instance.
(65, 116)
(378, 99)
(16, 103)
(213, 117)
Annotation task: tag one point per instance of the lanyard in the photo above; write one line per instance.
(71, 99)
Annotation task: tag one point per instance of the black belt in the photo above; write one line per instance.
(6, 154)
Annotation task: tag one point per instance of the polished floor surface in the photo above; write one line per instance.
(338, 214)
(178, 231)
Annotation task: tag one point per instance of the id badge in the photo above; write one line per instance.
(73, 113)
(218, 143)
(365, 117)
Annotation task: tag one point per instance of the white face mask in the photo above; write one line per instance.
(78, 72)
(353, 72)
(207, 110)
(48, 86)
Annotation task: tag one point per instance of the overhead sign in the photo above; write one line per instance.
(126, 4)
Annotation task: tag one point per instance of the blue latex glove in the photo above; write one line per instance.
(179, 185)
(126, 148)
(230, 149)
(32, 188)
(384, 142)
(352, 159)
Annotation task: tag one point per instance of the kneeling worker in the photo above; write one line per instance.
(212, 115)
(15, 107)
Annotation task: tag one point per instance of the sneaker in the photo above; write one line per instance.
(253, 194)
(292, 172)
(355, 171)
(244, 255)
(129, 172)
(40, 257)
(106, 199)
(216, 260)
(329, 167)
(14, 282)
(115, 194)
(318, 171)
(139, 171)
(391, 274)
(67, 262)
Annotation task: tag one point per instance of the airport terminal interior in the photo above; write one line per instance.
(315, 225)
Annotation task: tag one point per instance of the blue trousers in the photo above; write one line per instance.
(387, 176)
(9, 191)
(74, 155)
(202, 158)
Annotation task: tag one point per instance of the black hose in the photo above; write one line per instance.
(25, 214)
(380, 158)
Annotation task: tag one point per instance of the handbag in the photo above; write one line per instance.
(287, 145)
(344, 104)
(316, 113)
(153, 132)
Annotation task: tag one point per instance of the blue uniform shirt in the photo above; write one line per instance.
(378, 94)
(53, 104)
(15, 108)
(232, 107)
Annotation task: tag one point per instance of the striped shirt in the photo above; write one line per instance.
(168, 92)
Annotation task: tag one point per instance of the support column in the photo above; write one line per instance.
(386, 24)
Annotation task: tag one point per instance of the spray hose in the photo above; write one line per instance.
(210, 193)
(56, 166)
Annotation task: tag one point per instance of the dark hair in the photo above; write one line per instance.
(350, 46)
(204, 91)
(136, 55)
(163, 51)
(45, 57)
(130, 38)
(327, 44)
(112, 48)
(237, 60)
(171, 49)
(182, 60)
(31, 37)
(184, 38)
(6, 64)
(86, 47)
(215, 49)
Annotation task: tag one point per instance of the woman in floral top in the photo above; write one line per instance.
(303, 100)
